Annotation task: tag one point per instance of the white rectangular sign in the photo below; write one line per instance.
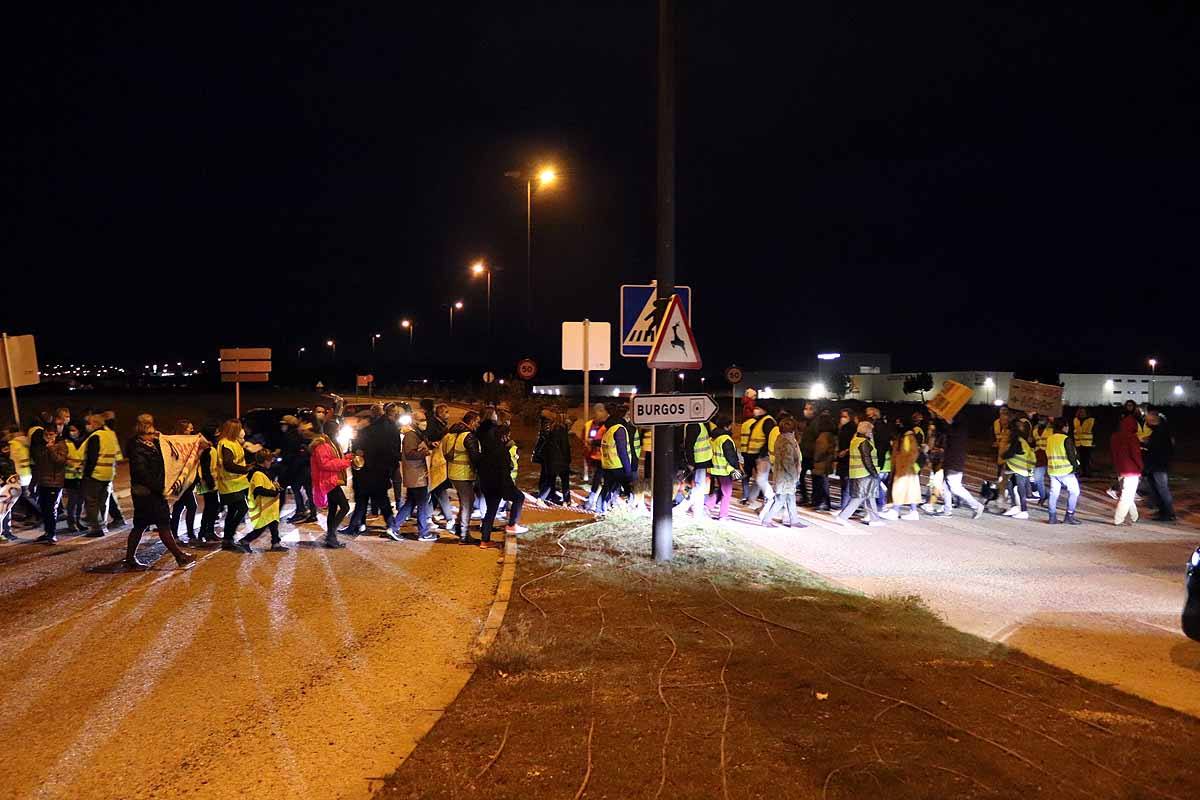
(672, 409)
(599, 345)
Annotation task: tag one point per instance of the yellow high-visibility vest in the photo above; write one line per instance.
(1056, 455)
(1022, 463)
(1040, 437)
(19, 450)
(512, 455)
(106, 462)
(74, 461)
(33, 430)
(771, 437)
(230, 482)
(263, 510)
(1143, 431)
(609, 457)
(720, 465)
(1083, 431)
(757, 437)
(702, 450)
(744, 438)
(648, 441)
(858, 469)
(458, 460)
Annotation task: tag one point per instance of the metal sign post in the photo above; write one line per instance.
(586, 346)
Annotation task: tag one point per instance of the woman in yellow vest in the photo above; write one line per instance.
(760, 434)
(698, 450)
(263, 503)
(460, 446)
(74, 479)
(1062, 461)
(863, 475)
(1019, 461)
(232, 482)
(1083, 434)
(100, 454)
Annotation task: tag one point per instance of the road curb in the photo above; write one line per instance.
(495, 617)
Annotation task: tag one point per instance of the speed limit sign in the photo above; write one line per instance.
(526, 369)
(733, 375)
(489, 377)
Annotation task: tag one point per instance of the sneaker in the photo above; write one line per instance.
(911, 516)
(1012, 510)
(333, 544)
(927, 508)
(1112, 493)
(235, 547)
(427, 537)
(133, 565)
(979, 513)
(1021, 515)
(1071, 520)
(1053, 520)
(47, 538)
(875, 523)
(278, 547)
(890, 514)
(392, 534)
(477, 514)
(516, 529)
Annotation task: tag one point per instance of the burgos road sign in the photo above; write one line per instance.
(638, 320)
(672, 409)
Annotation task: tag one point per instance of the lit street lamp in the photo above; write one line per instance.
(479, 268)
(455, 306)
(545, 176)
(1153, 362)
(374, 339)
(330, 343)
(409, 326)
(299, 354)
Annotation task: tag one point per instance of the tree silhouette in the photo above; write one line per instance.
(921, 382)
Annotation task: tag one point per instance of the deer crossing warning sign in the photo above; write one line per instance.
(640, 315)
(675, 345)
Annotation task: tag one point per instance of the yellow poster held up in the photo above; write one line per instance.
(437, 468)
(950, 400)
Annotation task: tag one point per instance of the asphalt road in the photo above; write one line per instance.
(1101, 601)
(303, 674)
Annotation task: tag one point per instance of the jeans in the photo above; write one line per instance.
(1019, 484)
(884, 478)
(493, 494)
(1161, 491)
(74, 492)
(594, 496)
(805, 469)
(416, 498)
(1127, 505)
(95, 502)
(762, 479)
(440, 495)
(466, 503)
(370, 493)
(698, 499)
(748, 462)
(954, 488)
(235, 512)
(784, 501)
(724, 484)
(48, 497)
(1038, 482)
(1057, 482)
(852, 504)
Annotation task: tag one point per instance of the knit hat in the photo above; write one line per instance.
(288, 419)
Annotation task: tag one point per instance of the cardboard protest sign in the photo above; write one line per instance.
(950, 399)
(1035, 398)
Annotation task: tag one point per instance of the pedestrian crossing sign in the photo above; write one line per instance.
(640, 314)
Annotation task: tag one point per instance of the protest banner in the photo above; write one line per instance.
(950, 399)
(1035, 398)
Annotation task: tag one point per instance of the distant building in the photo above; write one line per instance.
(1115, 389)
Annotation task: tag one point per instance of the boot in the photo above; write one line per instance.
(1054, 518)
(1070, 519)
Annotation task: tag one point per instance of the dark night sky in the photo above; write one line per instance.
(960, 187)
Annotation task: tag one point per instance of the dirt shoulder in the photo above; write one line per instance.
(732, 673)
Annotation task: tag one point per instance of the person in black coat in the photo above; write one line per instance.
(554, 450)
(296, 474)
(147, 479)
(954, 463)
(496, 480)
(378, 445)
(1160, 448)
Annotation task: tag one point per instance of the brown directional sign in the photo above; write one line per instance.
(245, 354)
(239, 377)
(245, 366)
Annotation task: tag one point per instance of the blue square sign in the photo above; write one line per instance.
(637, 317)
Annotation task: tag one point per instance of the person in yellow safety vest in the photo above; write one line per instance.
(74, 479)
(785, 469)
(616, 458)
(863, 474)
(114, 508)
(1084, 438)
(264, 503)
(698, 455)
(744, 429)
(1062, 462)
(760, 465)
(725, 467)
(1019, 461)
(100, 451)
(232, 482)
(1043, 427)
(206, 487)
(593, 436)
(460, 446)
(22, 460)
(882, 438)
(10, 486)
(1000, 434)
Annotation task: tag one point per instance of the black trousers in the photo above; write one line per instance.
(1085, 461)
(48, 497)
(235, 512)
(493, 496)
(212, 509)
(186, 502)
(337, 508)
(373, 494)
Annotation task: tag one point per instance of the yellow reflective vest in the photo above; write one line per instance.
(1143, 430)
(771, 438)
(106, 462)
(74, 461)
(458, 460)
(858, 469)
(1001, 434)
(757, 437)
(263, 510)
(1083, 431)
(720, 465)
(1057, 462)
(702, 450)
(1022, 463)
(1041, 435)
(514, 458)
(744, 438)
(610, 458)
(230, 482)
(18, 448)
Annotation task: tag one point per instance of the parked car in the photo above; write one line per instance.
(1191, 606)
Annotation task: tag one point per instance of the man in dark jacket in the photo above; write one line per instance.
(954, 463)
(296, 474)
(555, 454)
(1160, 448)
(806, 435)
(496, 481)
(379, 446)
(50, 465)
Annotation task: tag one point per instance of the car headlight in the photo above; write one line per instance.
(344, 437)
(1196, 558)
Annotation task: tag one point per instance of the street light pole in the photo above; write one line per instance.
(529, 253)
(455, 306)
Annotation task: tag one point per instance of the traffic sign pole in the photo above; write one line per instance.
(586, 375)
(664, 457)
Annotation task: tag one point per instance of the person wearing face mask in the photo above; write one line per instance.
(326, 424)
(295, 475)
(147, 479)
(460, 446)
(863, 472)
(185, 505)
(100, 451)
(433, 432)
(824, 458)
(413, 474)
(73, 481)
(232, 483)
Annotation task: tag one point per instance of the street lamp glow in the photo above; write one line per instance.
(405, 323)
(988, 382)
(378, 335)
(1178, 391)
(818, 389)
(828, 356)
(478, 268)
(329, 342)
(547, 176)
(1109, 385)
(458, 305)
(1153, 363)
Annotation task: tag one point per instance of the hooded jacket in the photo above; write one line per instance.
(1126, 450)
(328, 468)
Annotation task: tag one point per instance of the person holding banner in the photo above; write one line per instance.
(147, 480)
(954, 464)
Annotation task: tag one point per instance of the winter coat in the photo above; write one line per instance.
(1126, 450)
(808, 439)
(495, 462)
(556, 451)
(50, 464)
(1159, 448)
(954, 459)
(380, 446)
(824, 453)
(787, 459)
(328, 468)
(295, 457)
(906, 483)
(147, 473)
(413, 471)
(845, 434)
